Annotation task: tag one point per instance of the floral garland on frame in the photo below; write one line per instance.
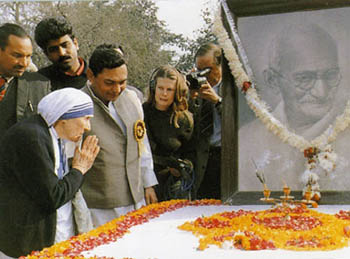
(318, 151)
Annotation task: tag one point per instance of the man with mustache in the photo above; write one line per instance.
(304, 69)
(56, 38)
(20, 91)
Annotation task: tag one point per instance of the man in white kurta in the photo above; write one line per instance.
(122, 176)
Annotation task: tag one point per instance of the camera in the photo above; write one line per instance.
(185, 167)
(180, 187)
(197, 78)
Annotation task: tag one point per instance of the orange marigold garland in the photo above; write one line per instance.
(296, 228)
(112, 231)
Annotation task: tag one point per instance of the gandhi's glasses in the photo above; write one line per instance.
(305, 80)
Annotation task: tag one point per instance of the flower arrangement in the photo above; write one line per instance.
(318, 151)
(112, 230)
(291, 228)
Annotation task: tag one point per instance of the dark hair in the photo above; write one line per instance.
(114, 46)
(8, 29)
(207, 48)
(105, 56)
(52, 29)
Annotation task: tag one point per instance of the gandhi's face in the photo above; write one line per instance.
(308, 81)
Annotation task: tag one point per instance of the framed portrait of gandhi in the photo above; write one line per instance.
(299, 55)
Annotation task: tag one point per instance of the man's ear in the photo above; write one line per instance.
(75, 41)
(271, 80)
(90, 75)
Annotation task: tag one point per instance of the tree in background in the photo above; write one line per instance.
(204, 35)
(27, 15)
(131, 23)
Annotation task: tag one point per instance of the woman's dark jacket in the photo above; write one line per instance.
(30, 191)
(166, 140)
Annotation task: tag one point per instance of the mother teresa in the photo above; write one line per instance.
(36, 186)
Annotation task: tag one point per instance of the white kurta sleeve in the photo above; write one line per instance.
(148, 175)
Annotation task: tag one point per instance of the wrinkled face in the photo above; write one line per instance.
(309, 81)
(165, 93)
(109, 83)
(16, 56)
(63, 52)
(208, 61)
(73, 129)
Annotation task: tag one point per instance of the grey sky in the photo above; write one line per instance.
(183, 16)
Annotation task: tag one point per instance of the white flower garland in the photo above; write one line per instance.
(325, 156)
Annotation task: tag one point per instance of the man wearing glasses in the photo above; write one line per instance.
(304, 69)
(306, 72)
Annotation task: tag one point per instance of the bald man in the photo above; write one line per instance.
(304, 69)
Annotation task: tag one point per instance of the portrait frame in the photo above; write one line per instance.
(236, 9)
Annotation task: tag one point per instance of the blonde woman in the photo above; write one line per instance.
(169, 127)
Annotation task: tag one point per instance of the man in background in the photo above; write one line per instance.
(20, 91)
(56, 38)
(122, 176)
(206, 106)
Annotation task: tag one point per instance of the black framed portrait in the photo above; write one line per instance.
(299, 57)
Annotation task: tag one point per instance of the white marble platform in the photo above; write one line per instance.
(161, 239)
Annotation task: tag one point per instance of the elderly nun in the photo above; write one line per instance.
(36, 185)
